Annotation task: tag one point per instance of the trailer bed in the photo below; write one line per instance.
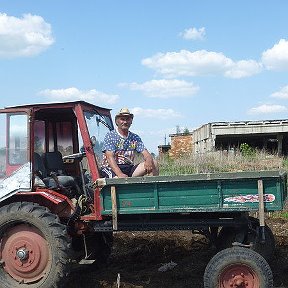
(212, 192)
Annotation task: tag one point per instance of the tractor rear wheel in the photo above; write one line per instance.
(34, 247)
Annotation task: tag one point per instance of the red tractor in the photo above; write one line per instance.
(53, 216)
(49, 157)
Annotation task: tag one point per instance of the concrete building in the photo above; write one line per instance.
(271, 135)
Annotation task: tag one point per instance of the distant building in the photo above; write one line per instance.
(271, 135)
(181, 144)
(163, 149)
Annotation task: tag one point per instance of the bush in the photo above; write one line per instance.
(247, 151)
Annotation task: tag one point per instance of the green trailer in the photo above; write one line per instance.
(188, 200)
(217, 205)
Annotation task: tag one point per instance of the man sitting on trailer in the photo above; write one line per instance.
(119, 149)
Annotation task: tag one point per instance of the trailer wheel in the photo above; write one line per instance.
(34, 247)
(238, 267)
(227, 236)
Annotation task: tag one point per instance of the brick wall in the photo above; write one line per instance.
(181, 144)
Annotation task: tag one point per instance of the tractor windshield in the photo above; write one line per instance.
(98, 126)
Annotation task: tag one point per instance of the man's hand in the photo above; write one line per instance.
(121, 175)
(148, 164)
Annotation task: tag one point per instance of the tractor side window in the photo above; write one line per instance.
(63, 142)
(64, 138)
(2, 145)
(50, 138)
(39, 137)
(18, 139)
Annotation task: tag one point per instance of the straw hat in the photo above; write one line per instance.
(124, 112)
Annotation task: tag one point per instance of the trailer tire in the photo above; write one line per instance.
(34, 248)
(238, 267)
(227, 236)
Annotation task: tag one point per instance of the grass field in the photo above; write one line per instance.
(221, 162)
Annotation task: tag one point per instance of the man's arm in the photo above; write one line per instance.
(112, 163)
(148, 161)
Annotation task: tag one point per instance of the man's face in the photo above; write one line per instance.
(124, 122)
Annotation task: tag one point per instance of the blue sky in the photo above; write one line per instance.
(173, 63)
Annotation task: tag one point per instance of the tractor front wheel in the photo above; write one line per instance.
(34, 247)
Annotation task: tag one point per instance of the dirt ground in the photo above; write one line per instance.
(137, 257)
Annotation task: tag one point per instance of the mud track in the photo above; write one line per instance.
(136, 258)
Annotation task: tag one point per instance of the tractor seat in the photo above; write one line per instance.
(54, 163)
(51, 176)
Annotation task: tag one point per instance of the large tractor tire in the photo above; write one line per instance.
(238, 267)
(34, 247)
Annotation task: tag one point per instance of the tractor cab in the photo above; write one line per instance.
(52, 151)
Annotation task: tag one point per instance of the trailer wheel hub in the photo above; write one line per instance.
(25, 253)
(239, 276)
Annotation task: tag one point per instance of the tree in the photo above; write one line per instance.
(186, 131)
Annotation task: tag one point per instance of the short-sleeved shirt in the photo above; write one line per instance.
(124, 148)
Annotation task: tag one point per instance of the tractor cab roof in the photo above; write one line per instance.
(56, 106)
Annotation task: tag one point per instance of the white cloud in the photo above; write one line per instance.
(282, 93)
(22, 37)
(164, 88)
(155, 113)
(72, 94)
(267, 108)
(199, 63)
(243, 68)
(276, 58)
(193, 33)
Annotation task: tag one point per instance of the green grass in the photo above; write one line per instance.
(283, 214)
